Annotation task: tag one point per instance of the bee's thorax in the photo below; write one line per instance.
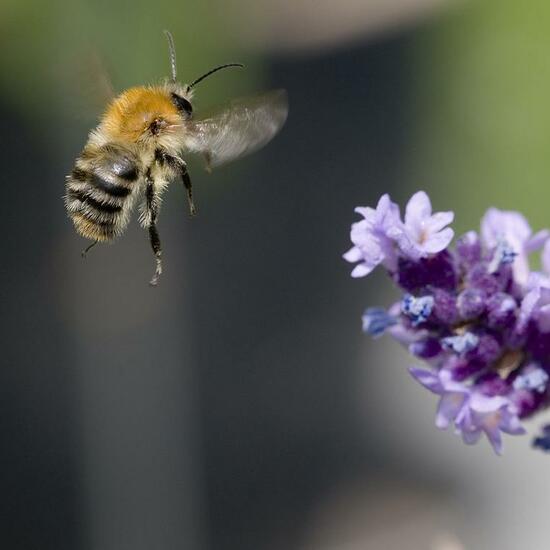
(145, 116)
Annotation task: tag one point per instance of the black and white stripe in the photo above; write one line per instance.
(98, 192)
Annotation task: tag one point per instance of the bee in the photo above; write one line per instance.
(135, 151)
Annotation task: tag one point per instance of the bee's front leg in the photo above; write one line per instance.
(180, 167)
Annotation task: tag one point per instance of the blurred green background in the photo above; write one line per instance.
(238, 406)
(480, 112)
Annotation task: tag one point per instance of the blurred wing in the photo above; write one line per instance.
(88, 85)
(243, 127)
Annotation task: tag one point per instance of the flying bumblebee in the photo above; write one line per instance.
(135, 151)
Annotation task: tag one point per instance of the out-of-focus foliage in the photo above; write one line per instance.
(481, 80)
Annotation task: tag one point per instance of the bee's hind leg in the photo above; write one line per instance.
(88, 248)
(152, 212)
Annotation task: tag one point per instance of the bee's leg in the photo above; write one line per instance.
(189, 188)
(152, 204)
(178, 165)
(88, 248)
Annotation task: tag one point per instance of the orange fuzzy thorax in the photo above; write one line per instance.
(129, 115)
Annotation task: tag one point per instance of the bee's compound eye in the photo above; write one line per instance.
(182, 104)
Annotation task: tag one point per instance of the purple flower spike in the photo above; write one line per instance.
(425, 233)
(374, 237)
(475, 314)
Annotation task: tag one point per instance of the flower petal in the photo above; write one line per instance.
(495, 439)
(418, 208)
(384, 205)
(509, 225)
(361, 270)
(376, 320)
(470, 437)
(537, 241)
(486, 404)
(513, 426)
(439, 220)
(439, 241)
(409, 247)
(365, 211)
(427, 378)
(543, 318)
(448, 408)
(361, 232)
(546, 257)
(353, 255)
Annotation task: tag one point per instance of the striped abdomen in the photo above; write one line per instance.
(101, 191)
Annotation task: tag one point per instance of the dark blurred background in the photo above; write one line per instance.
(238, 406)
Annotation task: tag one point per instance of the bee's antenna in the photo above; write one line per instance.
(212, 72)
(172, 50)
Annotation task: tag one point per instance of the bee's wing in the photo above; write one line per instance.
(89, 85)
(241, 128)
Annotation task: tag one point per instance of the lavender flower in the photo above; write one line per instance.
(477, 315)
(417, 309)
(376, 320)
(374, 237)
(511, 230)
(533, 377)
(490, 415)
(461, 343)
(424, 233)
(535, 305)
(454, 395)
